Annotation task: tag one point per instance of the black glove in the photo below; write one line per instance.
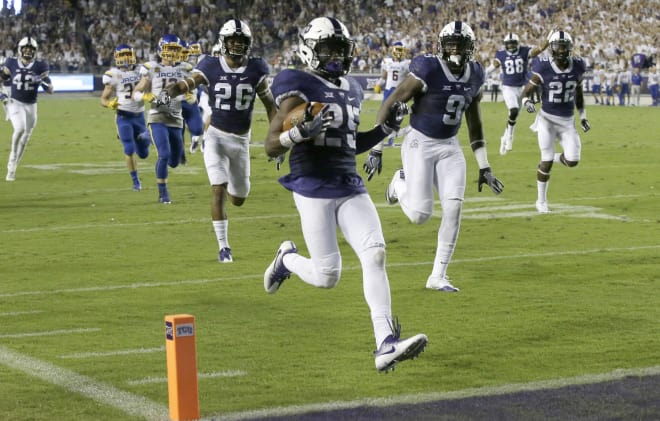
(311, 126)
(585, 125)
(529, 105)
(486, 177)
(373, 164)
(397, 112)
(163, 98)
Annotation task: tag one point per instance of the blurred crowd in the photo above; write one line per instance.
(80, 35)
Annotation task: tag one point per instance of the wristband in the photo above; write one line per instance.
(583, 113)
(285, 140)
(482, 157)
(525, 100)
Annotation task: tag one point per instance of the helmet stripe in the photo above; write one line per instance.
(335, 25)
(237, 22)
(561, 35)
(459, 27)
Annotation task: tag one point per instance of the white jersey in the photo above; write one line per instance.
(610, 78)
(624, 77)
(598, 77)
(187, 68)
(160, 77)
(123, 81)
(653, 79)
(396, 71)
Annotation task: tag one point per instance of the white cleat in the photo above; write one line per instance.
(276, 273)
(542, 207)
(390, 192)
(506, 144)
(393, 350)
(11, 176)
(438, 283)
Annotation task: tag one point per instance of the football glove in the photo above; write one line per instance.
(487, 177)
(113, 103)
(311, 126)
(529, 105)
(397, 112)
(373, 164)
(279, 160)
(163, 98)
(585, 125)
(148, 97)
(191, 98)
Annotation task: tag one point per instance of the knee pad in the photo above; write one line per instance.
(328, 277)
(513, 114)
(417, 217)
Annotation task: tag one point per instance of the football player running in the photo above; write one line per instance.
(119, 82)
(513, 60)
(192, 115)
(26, 74)
(327, 190)
(165, 118)
(560, 77)
(234, 79)
(443, 87)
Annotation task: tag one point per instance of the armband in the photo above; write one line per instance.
(481, 155)
(583, 114)
(189, 81)
(285, 140)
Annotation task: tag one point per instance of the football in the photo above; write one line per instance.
(297, 115)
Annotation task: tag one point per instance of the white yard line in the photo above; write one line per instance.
(438, 396)
(47, 333)
(139, 285)
(83, 355)
(134, 405)
(19, 313)
(151, 380)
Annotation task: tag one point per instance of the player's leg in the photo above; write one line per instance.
(414, 190)
(511, 95)
(176, 146)
(546, 137)
(126, 137)
(142, 136)
(450, 179)
(160, 136)
(18, 119)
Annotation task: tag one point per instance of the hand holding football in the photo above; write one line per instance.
(297, 115)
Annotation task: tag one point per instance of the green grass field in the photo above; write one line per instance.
(89, 269)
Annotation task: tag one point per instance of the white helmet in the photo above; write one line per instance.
(27, 48)
(511, 42)
(561, 45)
(456, 41)
(326, 47)
(240, 32)
(215, 51)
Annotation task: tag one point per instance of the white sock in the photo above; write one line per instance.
(221, 228)
(542, 187)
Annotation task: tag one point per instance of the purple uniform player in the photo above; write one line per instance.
(560, 78)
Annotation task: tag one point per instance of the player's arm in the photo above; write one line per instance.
(579, 104)
(108, 98)
(409, 87)
(528, 92)
(478, 145)
(5, 73)
(266, 97)
(378, 86)
(273, 146)
(186, 84)
(142, 91)
(543, 45)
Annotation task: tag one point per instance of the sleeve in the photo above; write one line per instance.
(107, 77)
(419, 67)
(285, 85)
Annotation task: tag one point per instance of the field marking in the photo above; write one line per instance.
(19, 313)
(83, 355)
(418, 398)
(48, 333)
(138, 285)
(481, 213)
(134, 405)
(152, 380)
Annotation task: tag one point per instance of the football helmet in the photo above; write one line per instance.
(194, 50)
(326, 47)
(235, 39)
(456, 41)
(215, 51)
(125, 55)
(511, 42)
(27, 48)
(399, 52)
(185, 51)
(561, 45)
(169, 47)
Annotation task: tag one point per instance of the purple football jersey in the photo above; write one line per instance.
(558, 96)
(24, 79)
(514, 65)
